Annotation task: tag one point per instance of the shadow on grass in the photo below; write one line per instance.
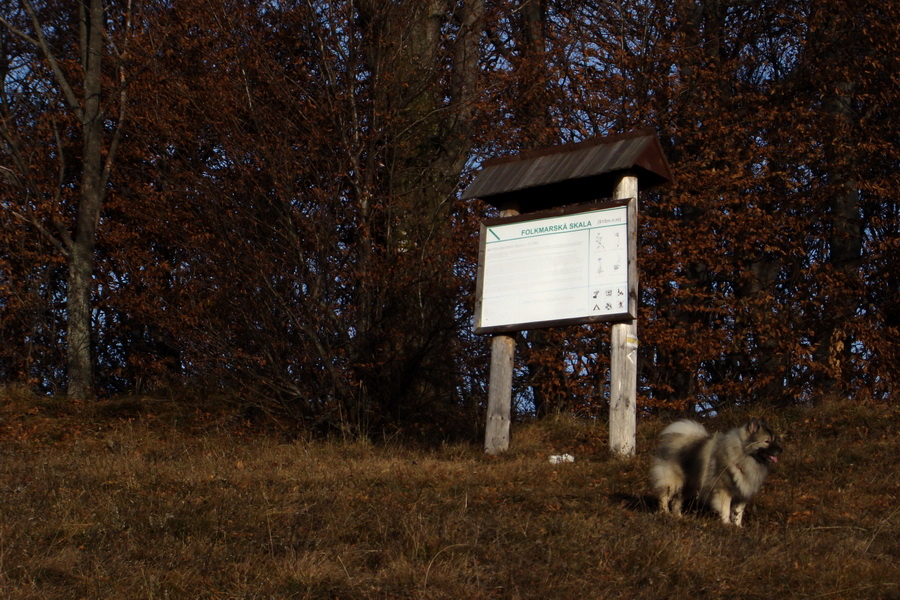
(633, 502)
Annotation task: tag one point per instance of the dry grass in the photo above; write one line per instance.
(139, 500)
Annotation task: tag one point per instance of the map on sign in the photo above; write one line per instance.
(571, 268)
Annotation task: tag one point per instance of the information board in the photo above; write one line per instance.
(559, 267)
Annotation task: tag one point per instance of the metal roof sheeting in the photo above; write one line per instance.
(572, 172)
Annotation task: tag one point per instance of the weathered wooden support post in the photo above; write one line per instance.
(624, 352)
(503, 357)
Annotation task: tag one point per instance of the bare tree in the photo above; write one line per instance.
(99, 110)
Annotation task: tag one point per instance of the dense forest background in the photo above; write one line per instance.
(262, 198)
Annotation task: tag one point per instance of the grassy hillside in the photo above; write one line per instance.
(143, 499)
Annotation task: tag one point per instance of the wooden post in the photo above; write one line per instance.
(496, 433)
(503, 355)
(623, 354)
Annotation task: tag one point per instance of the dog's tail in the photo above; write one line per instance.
(679, 438)
(686, 428)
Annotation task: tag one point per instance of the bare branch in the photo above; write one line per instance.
(63, 232)
(123, 96)
(18, 32)
(44, 47)
(34, 222)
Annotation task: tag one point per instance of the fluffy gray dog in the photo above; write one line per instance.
(724, 471)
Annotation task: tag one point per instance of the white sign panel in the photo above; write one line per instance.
(571, 268)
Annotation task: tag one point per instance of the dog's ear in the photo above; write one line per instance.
(753, 426)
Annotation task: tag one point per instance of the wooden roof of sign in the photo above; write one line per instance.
(571, 173)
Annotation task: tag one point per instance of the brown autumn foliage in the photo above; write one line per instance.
(281, 219)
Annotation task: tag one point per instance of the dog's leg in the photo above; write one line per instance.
(664, 499)
(670, 500)
(677, 501)
(721, 503)
(737, 512)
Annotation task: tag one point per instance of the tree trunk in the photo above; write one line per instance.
(845, 244)
(845, 232)
(78, 305)
(81, 253)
